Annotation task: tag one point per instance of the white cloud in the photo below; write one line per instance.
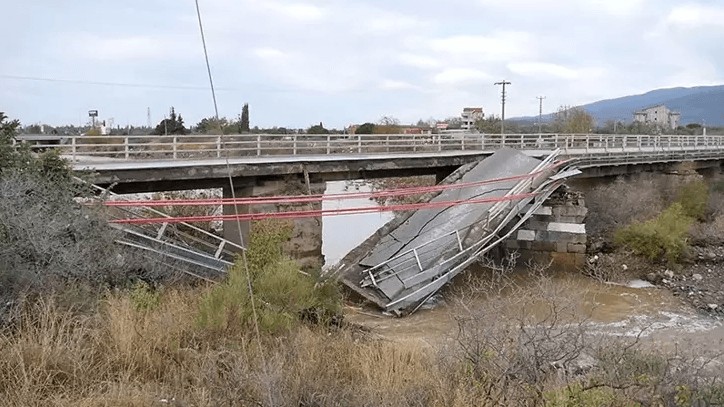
(118, 49)
(390, 84)
(695, 15)
(296, 11)
(619, 8)
(419, 61)
(500, 46)
(460, 76)
(538, 69)
(268, 53)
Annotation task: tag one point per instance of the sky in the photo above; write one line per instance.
(339, 62)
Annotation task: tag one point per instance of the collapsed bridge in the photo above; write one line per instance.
(412, 257)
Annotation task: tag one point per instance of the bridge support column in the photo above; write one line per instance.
(557, 233)
(305, 244)
(236, 231)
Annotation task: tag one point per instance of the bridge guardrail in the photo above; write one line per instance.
(201, 146)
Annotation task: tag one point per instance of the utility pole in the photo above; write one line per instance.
(148, 117)
(540, 114)
(502, 117)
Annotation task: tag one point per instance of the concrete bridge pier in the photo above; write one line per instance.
(305, 244)
(556, 233)
(235, 231)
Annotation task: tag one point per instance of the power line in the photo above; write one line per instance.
(206, 56)
(502, 122)
(245, 261)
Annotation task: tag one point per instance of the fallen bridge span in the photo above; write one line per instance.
(412, 257)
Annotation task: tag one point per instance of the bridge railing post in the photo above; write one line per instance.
(218, 147)
(387, 143)
(258, 145)
(328, 146)
(359, 144)
(73, 148)
(125, 147)
(173, 147)
(439, 142)
(462, 142)
(414, 143)
(294, 144)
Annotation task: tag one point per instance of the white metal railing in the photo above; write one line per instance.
(202, 146)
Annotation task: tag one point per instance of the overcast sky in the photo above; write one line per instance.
(299, 62)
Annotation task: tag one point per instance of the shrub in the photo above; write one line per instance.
(663, 236)
(622, 202)
(694, 199)
(282, 293)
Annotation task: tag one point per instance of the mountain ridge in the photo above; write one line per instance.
(699, 104)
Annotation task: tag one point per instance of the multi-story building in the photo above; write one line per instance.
(659, 116)
(470, 116)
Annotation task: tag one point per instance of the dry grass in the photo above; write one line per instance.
(126, 355)
(121, 355)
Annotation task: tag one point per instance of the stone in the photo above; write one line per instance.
(713, 307)
(526, 235)
(669, 274)
(624, 267)
(576, 248)
(697, 277)
(575, 228)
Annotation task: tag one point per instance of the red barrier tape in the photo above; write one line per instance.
(318, 213)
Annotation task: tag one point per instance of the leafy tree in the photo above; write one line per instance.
(317, 129)
(572, 120)
(244, 123)
(173, 125)
(367, 128)
(212, 125)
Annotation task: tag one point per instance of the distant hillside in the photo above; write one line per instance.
(704, 103)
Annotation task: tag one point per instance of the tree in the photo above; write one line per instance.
(573, 120)
(389, 121)
(212, 125)
(387, 125)
(244, 122)
(489, 125)
(317, 129)
(454, 123)
(173, 125)
(367, 128)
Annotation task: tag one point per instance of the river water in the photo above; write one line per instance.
(612, 309)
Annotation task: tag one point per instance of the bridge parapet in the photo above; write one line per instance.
(183, 147)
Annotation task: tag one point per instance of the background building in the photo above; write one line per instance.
(470, 116)
(660, 116)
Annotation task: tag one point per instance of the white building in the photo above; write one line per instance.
(659, 116)
(470, 116)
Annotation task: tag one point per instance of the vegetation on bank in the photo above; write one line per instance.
(657, 218)
(666, 235)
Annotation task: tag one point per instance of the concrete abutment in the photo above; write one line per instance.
(556, 233)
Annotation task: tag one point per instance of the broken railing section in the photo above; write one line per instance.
(428, 260)
(186, 247)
